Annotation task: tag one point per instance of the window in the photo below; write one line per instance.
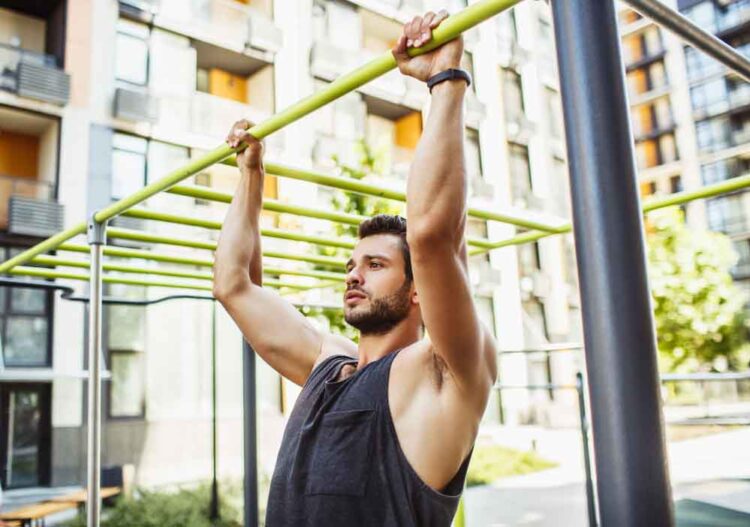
(724, 169)
(24, 323)
(528, 259)
(131, 53)
(472, 153)
(726, 214)
(128, 164)
(713, 134)
(512, 96)
(742, 268)
(126, 344)
(710, 97)
(554, 113)
(520, 173)
(507, 31)
(675, 184)
(703, 15)
(699, 64)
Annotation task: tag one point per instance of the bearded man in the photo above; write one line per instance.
(383, 430)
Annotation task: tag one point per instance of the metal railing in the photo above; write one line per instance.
(19, 186)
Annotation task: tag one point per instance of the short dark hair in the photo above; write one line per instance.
(389, 224)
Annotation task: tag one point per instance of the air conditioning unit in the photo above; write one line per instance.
(34, 217)
(43, 83)
(137, 106)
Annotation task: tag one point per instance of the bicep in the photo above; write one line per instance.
(274, 328)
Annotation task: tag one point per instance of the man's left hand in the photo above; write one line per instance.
(418, 33)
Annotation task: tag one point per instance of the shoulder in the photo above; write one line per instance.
(332, 345)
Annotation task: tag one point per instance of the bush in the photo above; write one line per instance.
(183, 508)
(490, 463)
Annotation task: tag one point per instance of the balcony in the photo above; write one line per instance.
(734, 21)
(739, 99)
(33, 75)
(224, 23)
(27, 207)
(202, 116)
(657, 129)
(648, 57)
(328, 62)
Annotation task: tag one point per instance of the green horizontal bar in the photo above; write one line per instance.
(449, 29)
(708, 191)
(128, 234)
(63, 262)
(216, 225)
(370, 189)
(275, 206)
(121, 252)
(661, 202)
(47, 245)
(42, 273)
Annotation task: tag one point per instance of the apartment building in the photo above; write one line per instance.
(690, 115)
(99, 99)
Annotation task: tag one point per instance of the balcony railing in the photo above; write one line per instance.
(33, 75)
(234, 25)
(27, 207)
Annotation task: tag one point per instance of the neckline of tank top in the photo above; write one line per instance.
(356, 371)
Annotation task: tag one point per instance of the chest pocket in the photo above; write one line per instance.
(342, 455)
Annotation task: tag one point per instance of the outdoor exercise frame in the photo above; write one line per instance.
(632, 477)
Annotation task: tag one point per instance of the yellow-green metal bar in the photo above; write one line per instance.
(370, 189)
(127, 234)
(121, 252)
(275, 206)
(47, 245)
(158, 271)
(655, 203)
(216, 225)
(449, 29)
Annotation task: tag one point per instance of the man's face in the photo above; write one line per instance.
(378, 295)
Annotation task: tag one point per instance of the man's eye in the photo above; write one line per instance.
(374, 264)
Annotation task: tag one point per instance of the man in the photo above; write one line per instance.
(382, 432)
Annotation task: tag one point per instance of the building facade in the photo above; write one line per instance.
(99, 98)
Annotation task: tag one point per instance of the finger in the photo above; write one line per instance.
(441, 15)
(400, 49)
(412, 30)
(425, 34)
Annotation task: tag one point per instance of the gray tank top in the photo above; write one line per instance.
(340, 463)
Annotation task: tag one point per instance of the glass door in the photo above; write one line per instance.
(25, 432)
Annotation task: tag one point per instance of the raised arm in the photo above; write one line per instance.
(436, 198)
(282, 336)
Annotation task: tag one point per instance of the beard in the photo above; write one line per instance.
(383, 314)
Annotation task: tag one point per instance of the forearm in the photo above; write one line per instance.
(238, 259)
(437, 186)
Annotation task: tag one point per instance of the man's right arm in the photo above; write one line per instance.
(281, 335)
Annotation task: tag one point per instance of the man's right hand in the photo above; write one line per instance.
(251, 158)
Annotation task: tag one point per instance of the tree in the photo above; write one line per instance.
(700, 320)
(370, 162)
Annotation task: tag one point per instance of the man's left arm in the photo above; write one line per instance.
(436, 199)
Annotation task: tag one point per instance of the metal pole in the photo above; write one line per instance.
(250, 427)
(214, 513)
(591, 504)
(96, 239)
(620, 344)
(693, 35)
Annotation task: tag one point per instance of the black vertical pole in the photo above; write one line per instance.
(214, 512)
(590, 503)
(250, 422)
(632, 477)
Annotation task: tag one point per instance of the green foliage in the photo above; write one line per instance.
(183, 508)
(369, 162)
(490, 463)
(700, 320)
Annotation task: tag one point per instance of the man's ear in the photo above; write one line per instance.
(414, 297)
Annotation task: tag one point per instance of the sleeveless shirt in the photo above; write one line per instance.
(340, 462)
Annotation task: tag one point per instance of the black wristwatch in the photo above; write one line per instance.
(452, 73)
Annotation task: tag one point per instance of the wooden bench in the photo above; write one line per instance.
(34, 515)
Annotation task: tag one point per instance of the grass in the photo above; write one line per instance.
(490, 463)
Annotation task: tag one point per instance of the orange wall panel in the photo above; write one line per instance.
(19, 155)
(409, 130)
(223, 84)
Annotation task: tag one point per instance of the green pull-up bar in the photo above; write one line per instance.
(449, 29)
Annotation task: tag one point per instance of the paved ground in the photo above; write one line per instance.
(710, 476)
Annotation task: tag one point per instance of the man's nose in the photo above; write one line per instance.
(353, 277)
